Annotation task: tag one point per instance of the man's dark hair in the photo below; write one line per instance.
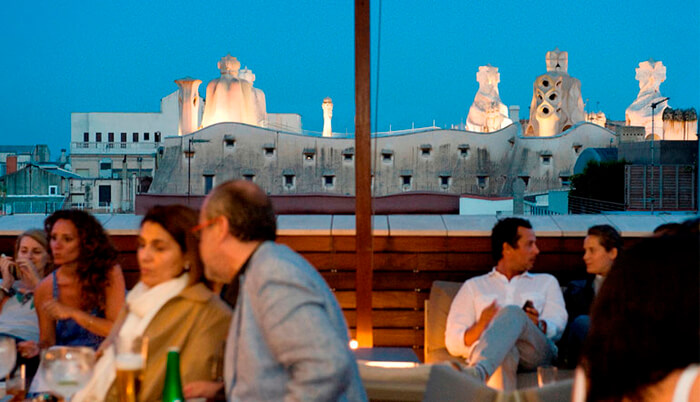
(648, 306)
(247, 208)
(506, 231)
(608, 237)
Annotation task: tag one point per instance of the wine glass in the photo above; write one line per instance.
(67, 368)
(8, 355)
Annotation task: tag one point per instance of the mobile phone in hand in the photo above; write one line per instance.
(529, 304)
(12, 267)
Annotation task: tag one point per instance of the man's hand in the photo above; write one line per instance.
(473, 333)
(534, 316)
(488, 313)
(202, 389)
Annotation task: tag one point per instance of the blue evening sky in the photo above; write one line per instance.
(107, 56)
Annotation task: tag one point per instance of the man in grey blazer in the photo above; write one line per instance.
(288, 337)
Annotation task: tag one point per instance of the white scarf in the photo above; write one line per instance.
(143, 303)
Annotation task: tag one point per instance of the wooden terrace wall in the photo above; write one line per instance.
(404, 269)
(410, 252)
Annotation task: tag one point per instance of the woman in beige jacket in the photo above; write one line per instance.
(171, 305)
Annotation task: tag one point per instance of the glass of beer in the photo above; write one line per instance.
(130, 362)
(16, 385)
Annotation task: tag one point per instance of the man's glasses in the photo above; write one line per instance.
(203, 225)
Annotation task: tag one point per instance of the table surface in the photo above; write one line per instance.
(386, 354)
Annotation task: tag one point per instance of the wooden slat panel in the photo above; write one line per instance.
(306, 243)
(384, 280)
(124, 243)
(385, 299)
(390, 318)
(396, 337)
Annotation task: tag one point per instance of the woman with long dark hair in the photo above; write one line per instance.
(79, 301)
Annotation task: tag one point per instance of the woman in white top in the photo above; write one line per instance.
(20, 276)
(644, 341)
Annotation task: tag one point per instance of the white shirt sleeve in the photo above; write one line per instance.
(462, 315)
(554, 312)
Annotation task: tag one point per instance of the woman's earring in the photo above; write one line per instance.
(187, 266)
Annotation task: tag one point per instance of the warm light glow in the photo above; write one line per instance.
(354, 344)
(391, 364)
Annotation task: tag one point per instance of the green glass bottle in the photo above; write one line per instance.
(172, 390)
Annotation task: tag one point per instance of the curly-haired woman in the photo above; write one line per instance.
(79, 301)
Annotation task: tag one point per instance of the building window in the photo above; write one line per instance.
(53, 190)
(425, 150)
(157, 136)
(309, 154)
(104, 195)
(348, 154)
(86, 137)
(229, 141)
(98, 137)
(406, 179)
(269, 150)
(482, 181)
(110, 137)
(146, 136)
(289, 180)
(105, 165)
(387, 155)
(445, 180)
(208, 183)
(248, 174)
(135, 137)
(463, 150)
(328, 180)
(525, 179)
(565, 180)
(546, 159)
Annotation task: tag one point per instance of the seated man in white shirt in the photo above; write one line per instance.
(508, 318)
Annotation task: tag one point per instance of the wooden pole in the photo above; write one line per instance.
(363, 177)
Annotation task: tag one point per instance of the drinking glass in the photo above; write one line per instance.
(8, 355)
(546, 375)
(67, 368)
(16, 385)
(130, 362)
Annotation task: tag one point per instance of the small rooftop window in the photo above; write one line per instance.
(406, 179)
(387, 155)
(289, 178)
(348, 154)
(445, 179)
(425, 150)
(309, 154)
(463, 150)
(328, 179)
(269, 149)
(229, 141)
